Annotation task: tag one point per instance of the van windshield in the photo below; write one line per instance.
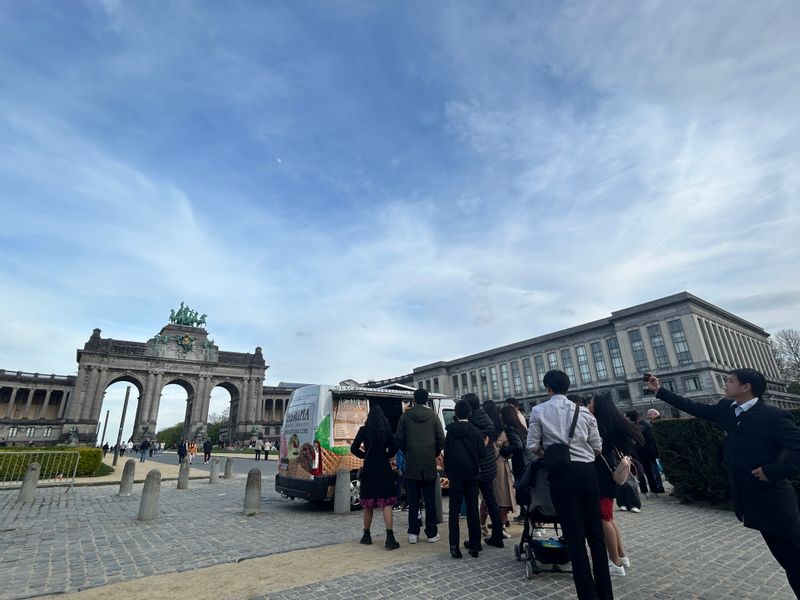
(448, 414)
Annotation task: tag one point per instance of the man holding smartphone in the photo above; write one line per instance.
(762, 449)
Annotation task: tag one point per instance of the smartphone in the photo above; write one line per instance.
(646, 377)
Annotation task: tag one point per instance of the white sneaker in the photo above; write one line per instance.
(623, 508)
(434, 539)
(636, 510)
(625, 562)
(615, 570)
(506, 535)
(412, 539)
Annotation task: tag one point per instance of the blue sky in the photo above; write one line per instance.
(361, 188)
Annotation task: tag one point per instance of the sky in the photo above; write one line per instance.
(361, 188)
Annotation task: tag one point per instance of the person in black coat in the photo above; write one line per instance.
(761, 451)
(377, 477)
(484, 424)
(463, 449)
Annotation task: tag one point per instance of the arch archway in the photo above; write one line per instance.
(113, 402)
(220, 409)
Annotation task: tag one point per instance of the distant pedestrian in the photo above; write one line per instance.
(503, 480)
(376, 445)
(207, 447)
(183, 450)
(144, 447)
(520, 416)
(463, 448)
(105, 449)
(192, 450)
(421, 437)
(257, 449)
(647, 472)
(129, 447)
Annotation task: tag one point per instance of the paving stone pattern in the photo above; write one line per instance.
(90, 537)
(65, 542)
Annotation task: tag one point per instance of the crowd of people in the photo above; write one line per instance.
(593, 455)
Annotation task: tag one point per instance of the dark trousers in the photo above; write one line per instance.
(487, 491)
(787, 552)
(206, 456)
(576, 498)
(650, 475)
(468, 490)
(413, 489)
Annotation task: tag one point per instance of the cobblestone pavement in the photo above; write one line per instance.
(88, 538)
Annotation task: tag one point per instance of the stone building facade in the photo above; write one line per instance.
(689, 343)
(49, 409)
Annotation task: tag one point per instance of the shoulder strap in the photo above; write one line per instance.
(574, 423)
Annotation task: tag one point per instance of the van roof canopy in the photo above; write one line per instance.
(342, 390)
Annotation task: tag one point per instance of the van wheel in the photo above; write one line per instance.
(355, 493)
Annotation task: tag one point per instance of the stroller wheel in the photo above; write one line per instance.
(529, 569)
(517, 553)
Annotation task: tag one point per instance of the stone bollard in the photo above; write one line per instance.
(126, 483)
(438, 499)
(228, 468)
(148, 506)
(183, 475)
(252, 492)
(341, 496)
(29, 482)
(213, 477)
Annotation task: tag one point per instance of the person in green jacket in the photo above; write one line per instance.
(421, 438)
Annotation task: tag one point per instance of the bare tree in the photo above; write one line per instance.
(786, 346)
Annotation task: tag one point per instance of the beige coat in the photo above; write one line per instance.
(504, 480)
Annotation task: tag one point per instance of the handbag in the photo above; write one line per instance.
(619, 473)
(556, 457)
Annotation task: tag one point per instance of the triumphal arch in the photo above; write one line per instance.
(181, 353)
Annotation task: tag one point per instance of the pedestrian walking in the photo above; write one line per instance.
(257, 449)
(421, 437)
(463, 448)
(105, 449)
(144, 447)
(207, 447)
(376, 445)
(487, 427)
(761, 452)
(192, 450)
(567, 434)
(619, 437)
(183, 450)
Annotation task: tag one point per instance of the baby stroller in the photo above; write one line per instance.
(533, 495)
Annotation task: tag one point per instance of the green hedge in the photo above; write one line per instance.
(13, 467)
(691, 452)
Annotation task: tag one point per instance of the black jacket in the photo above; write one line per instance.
(649, 452)
(377, 477)
(484, 424)
(516, 450)
(463, 449)
(421, 438)
(207, 446)
(766, 437)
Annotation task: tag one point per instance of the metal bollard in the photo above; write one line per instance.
(148, 505)
(29, 482)
(437, 500)
(183, 475)
(213, 477)
(126, 483)
(341, 496)
(252, 492)
(228, 468)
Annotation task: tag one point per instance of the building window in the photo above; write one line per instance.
(505, 380)
(670, 385)
(659, 347)
(435, 385)
(679, 340)
(526, 368)
(616, 357)
(428, 384)
(473, 377)
(691, 384)
(495, 384)
(566, 360)
(552, 360)
(516, 377)
(639, 355)
(455, 386)
(539, 361)
(583, 364)
(12, 432)
(623, 394)
(31, 431)
(484, 384)
(599, 361)
(48, 431)
(646, 391)
(464, 382)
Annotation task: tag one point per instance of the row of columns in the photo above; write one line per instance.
(726, 346)
(28, 412)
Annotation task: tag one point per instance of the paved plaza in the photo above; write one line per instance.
(90, 538)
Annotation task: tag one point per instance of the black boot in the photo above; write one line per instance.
(455, 552)
(366, 538)
(391, 543)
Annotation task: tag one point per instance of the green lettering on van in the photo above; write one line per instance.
(323, 432)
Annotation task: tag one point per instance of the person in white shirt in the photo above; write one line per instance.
(574, 488)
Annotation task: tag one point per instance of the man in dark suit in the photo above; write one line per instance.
(762, 449)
